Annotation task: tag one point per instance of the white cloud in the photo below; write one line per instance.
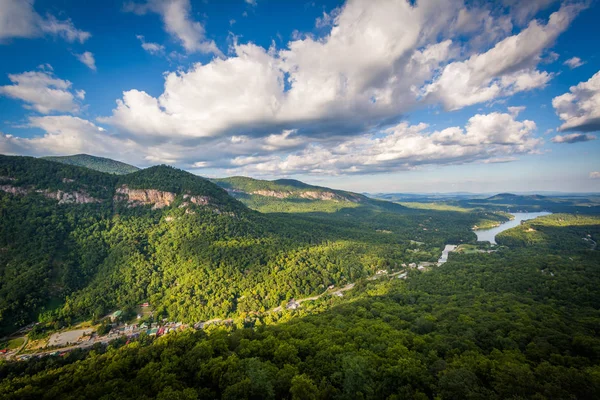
(88, 59)
(523, 10)
(320, 87)
(64, 29)
(505, 69)
(18, 19)
(573, 138)
(487, 138)
(42, 91)
(66, 135)
(251, 2)
(515, 111)
(580, 108)
(178, 23)
(574, 62)
(152, 48)
(595, 175)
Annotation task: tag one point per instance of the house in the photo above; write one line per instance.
(330, 287)
(144, 305)
(152, 332)
(292, 305)
(381, 272)
(339, 294)
(412, 265)
(116, 315)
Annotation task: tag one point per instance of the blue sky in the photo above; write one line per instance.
(435, 96)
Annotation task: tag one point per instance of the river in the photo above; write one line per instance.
(489, 235)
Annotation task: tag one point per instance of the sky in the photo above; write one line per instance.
(363, 95)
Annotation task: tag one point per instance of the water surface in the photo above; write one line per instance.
(489, 235)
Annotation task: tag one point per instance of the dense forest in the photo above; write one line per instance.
(96, 163)
(521, 322)
(192, 261)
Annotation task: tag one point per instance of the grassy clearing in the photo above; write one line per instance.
(15, 343)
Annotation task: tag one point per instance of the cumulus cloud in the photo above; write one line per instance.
(580, 108)
(320, 87)
(595, 175)
(18, 19)
(505, 69)
(487, 138)
(152, 48)
(42, 91)
(573, 138)
(64, 135)
(176, 18)
(574, 62)
(88, 59)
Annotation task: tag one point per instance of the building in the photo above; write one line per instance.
(116, 315)
(292, 305)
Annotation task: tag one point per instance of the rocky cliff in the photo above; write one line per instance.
(59, 195)
(138, 197)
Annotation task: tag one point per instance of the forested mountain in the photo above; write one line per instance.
(289, 195)
(96, 163)
(519, 323)
(77, 243)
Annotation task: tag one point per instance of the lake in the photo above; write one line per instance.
(489, 235)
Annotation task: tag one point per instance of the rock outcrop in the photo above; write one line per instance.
(198, 200)
(69, 197)
(14, 189)
(272, 193)
(140, 197)
(60, 196)
(308, 194)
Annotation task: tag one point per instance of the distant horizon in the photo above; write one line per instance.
(448, 193)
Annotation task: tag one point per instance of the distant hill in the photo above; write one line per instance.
(290, 195)
(286, 188)
(534, 202)
(96, 163)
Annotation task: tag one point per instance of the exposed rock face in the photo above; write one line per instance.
(309, 194)
(272, 193)
(14, 189)
(69, 197)
(320, 196)
(198, 200)
(137, 197)
(60, 196)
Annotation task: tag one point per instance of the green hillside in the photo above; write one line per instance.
(77, 243)
(96, 163)
(519, 323)
(292, 196)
